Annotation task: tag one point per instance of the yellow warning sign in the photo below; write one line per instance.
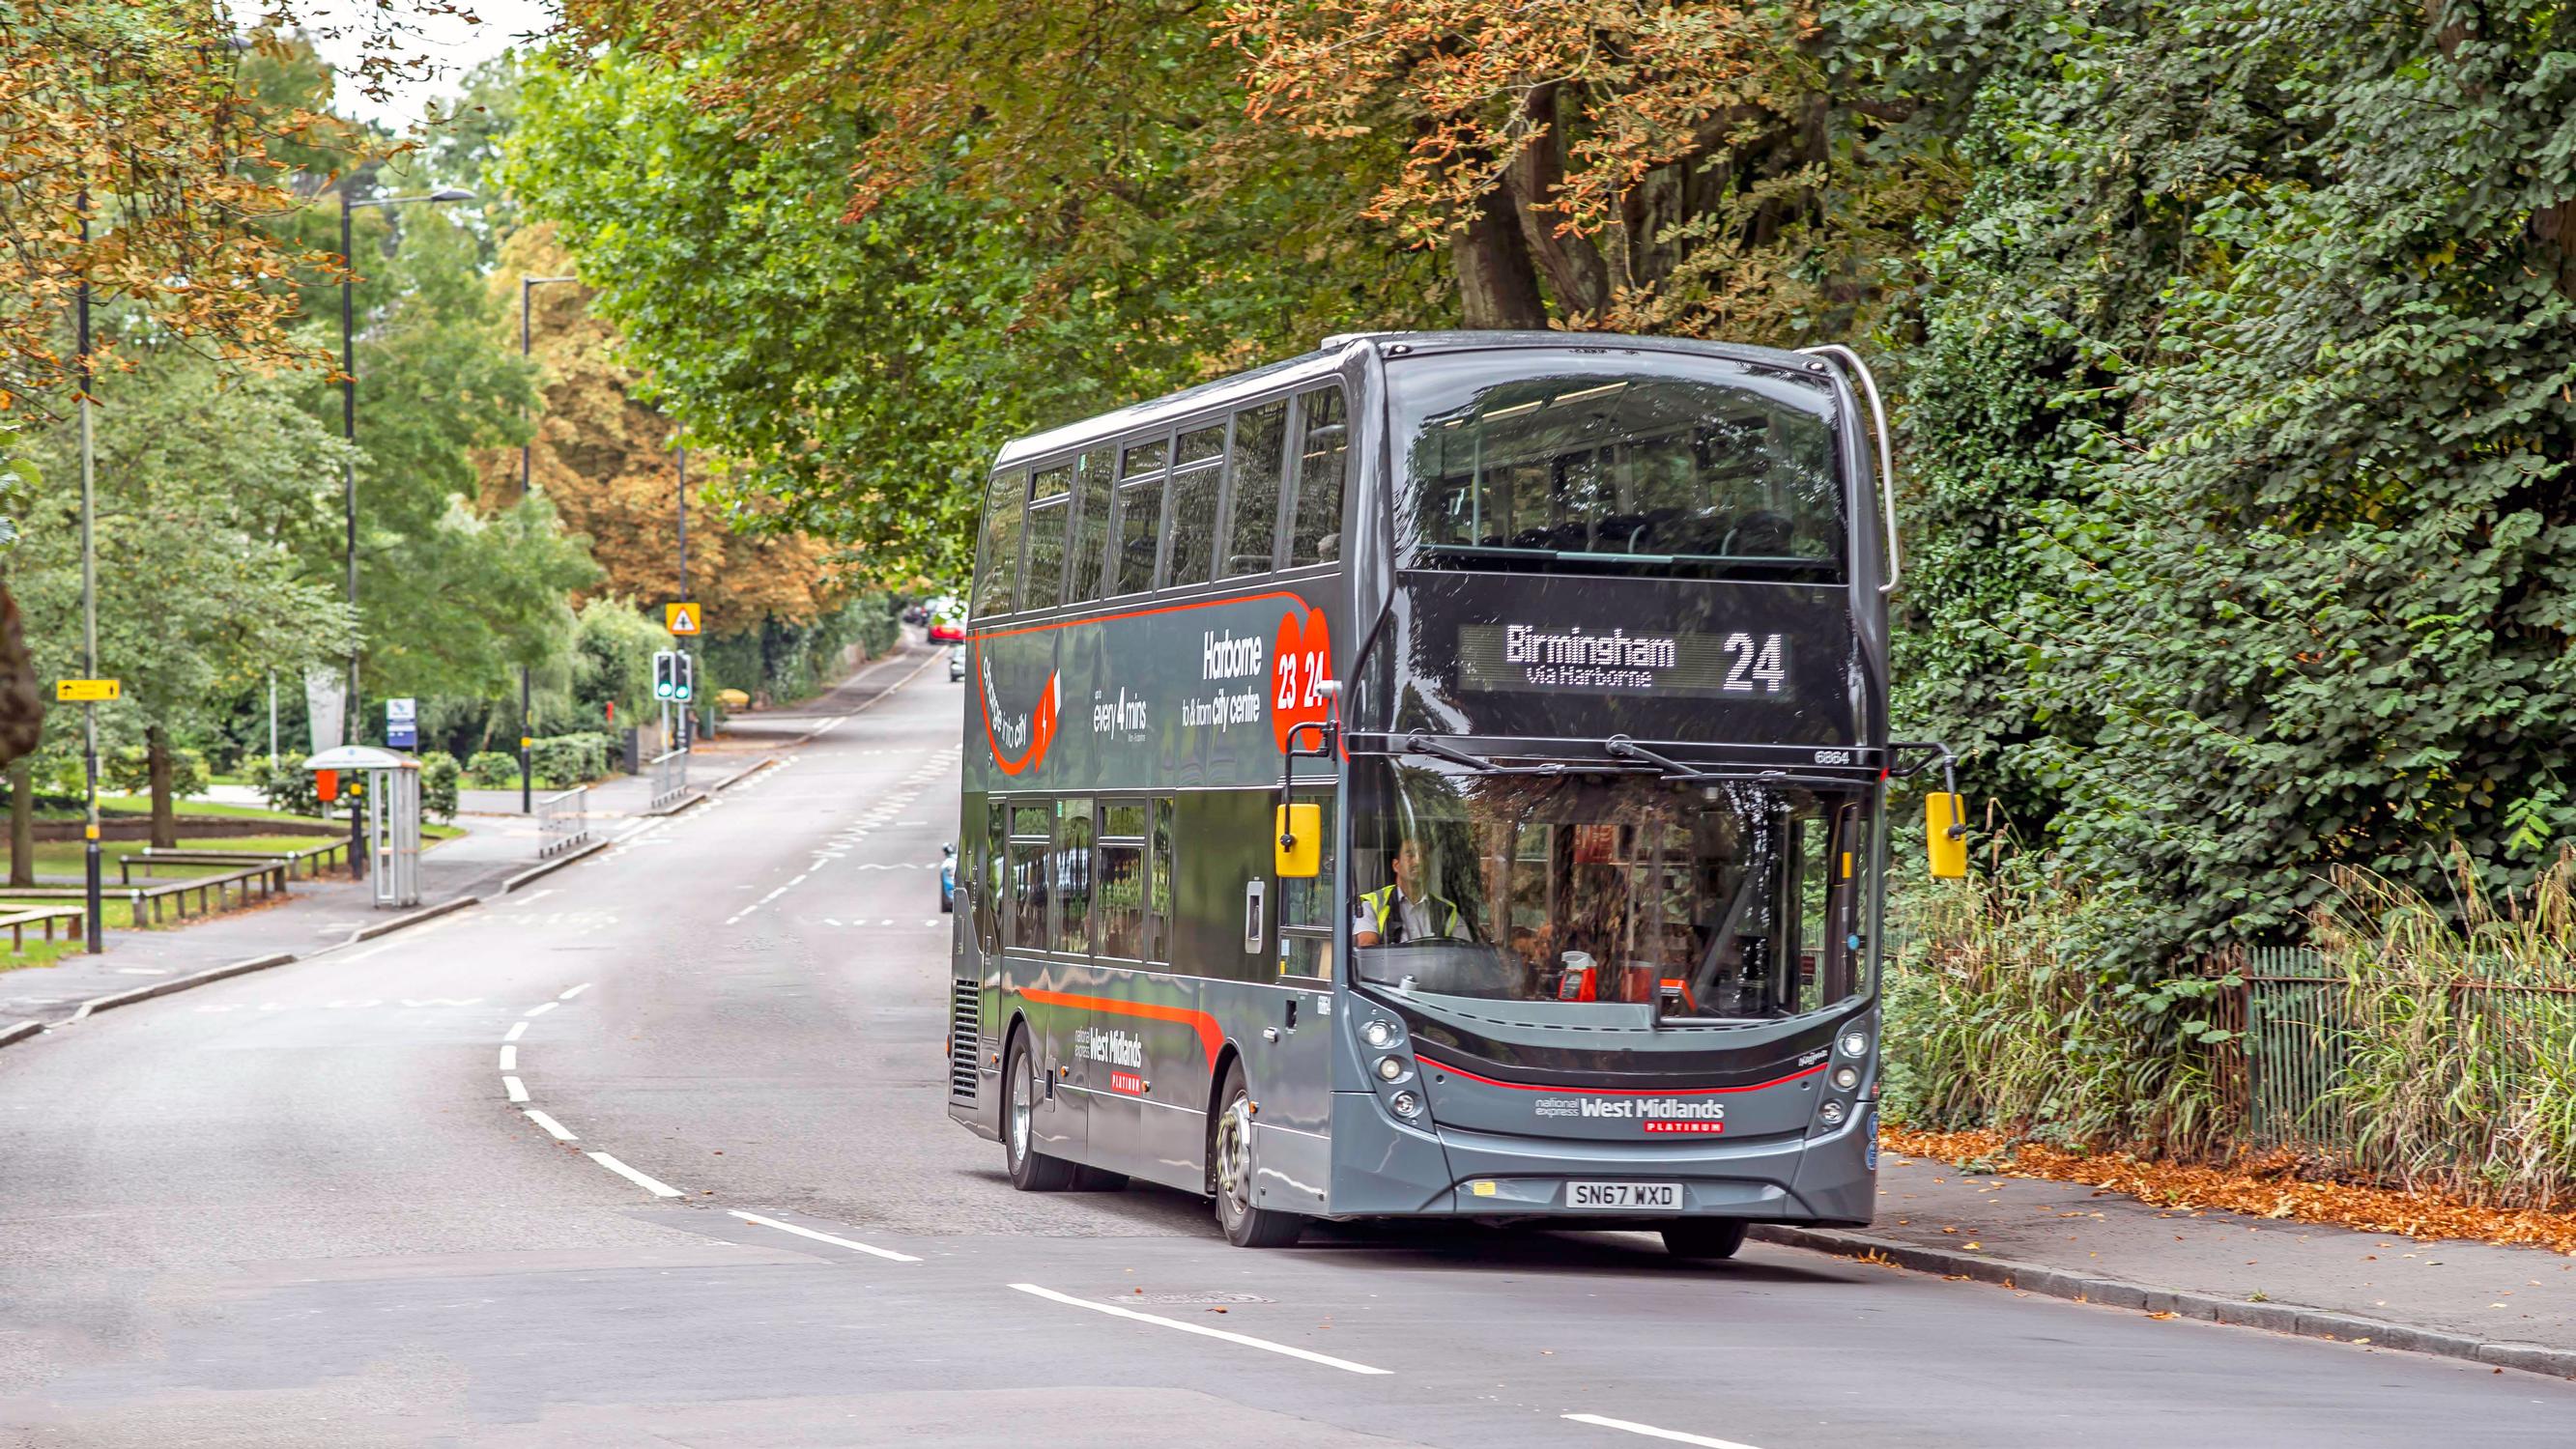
(680, 618)
(87, 690)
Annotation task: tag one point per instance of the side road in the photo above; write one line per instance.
(495, 853)
(2514, 1307)
(497, 849)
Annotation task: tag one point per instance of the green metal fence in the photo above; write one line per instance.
(2292, 1049)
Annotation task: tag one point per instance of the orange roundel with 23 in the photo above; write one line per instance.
(1301, 661)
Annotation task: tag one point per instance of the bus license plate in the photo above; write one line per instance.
(1625, 1196)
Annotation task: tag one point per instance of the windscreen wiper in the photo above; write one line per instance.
(1418, 743)
(1627, 749)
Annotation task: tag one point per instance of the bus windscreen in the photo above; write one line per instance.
(1736, 901)
(1584, 464)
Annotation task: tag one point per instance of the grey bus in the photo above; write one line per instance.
(1441, 775)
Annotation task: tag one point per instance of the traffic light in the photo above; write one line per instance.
(666, 674)
(686, 688)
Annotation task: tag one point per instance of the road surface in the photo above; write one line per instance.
(310, 1207)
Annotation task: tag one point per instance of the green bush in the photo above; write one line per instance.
(439, 774)
(129, 772)
(287, 786)
(492, 769)
(572, 759)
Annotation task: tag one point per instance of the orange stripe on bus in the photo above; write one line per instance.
(1211, 1036)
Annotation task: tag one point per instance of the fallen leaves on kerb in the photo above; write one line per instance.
(2265, 1188)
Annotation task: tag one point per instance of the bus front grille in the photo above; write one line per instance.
(965, 1038)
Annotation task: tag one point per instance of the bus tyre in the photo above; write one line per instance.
(1704, 1237)
(1031, 1170)
(1245, 1226)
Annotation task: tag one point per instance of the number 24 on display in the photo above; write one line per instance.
(1759, 667)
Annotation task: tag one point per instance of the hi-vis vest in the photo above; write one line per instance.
(1380, 904)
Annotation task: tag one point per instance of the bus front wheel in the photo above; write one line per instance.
(1245, 1226)
(1031, 1170)
(1704, 1237)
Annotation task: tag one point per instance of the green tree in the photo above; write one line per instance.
(207, 481)
(859, 369)
(2266, 316)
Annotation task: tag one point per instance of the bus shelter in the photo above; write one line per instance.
(392, 797)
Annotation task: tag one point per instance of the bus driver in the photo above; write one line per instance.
(1405, 911)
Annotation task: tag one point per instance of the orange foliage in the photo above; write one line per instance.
(604, 458)
(2268, 1187)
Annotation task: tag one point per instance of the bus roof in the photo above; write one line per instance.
(1334, 351)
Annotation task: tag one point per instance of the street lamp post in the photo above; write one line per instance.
(96, 931)
(527, 787)
(688, 711)
(349, 467)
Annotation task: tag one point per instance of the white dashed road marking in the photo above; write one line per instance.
(1203, 1331)
(553, 1128)
(1650, 1431)
(631, 1175)
(887, 1253)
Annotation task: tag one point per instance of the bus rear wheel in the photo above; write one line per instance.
(1704, 1238)
(1245, 1226)
(1031, 1170)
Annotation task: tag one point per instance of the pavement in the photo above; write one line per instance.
(2493, 1303)
(654, 1152)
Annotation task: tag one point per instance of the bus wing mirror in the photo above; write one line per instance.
(1945, 834)
(1299, 852)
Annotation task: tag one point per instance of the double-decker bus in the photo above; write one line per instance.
(1440, 776)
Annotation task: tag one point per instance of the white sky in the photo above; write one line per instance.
(453, 46)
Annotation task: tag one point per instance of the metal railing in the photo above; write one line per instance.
(563, 821)
(2302, 1025)
(2290, 1050)
(670, 773)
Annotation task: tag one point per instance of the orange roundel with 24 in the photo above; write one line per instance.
(1301, 660)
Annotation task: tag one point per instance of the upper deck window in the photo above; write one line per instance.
(997, 555)
(1622, 463)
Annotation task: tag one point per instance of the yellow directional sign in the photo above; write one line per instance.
(86, 690)
(680, 618)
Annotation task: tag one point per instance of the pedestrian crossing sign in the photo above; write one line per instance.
(680, 618)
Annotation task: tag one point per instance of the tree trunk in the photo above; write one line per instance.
(1497, 287)
(22, 704)
(1573, 264)
(22, 822)
(165, 811)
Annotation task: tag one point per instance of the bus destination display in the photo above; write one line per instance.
(1536, 659)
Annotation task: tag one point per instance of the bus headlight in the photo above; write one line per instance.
(1391, 1069)
(1855, 1043)
(1380, 1033)
(1846, 1078)
(1406, 1105)
(1832, 1112)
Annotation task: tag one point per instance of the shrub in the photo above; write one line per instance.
(439, 774)
(287, 786)
(572, 759)
(492, 769)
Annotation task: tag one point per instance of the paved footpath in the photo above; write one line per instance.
(2503, 1305)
